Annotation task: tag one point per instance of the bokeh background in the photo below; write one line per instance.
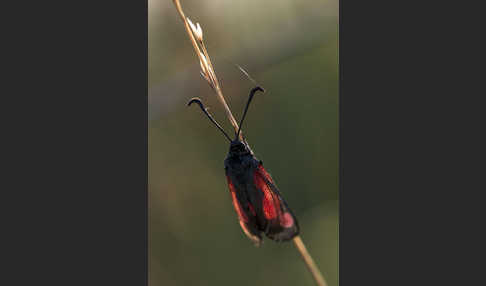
(290, 47)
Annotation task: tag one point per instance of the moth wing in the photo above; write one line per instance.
(281, 223)
(246, 213)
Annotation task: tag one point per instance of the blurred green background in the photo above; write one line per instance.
(290, 47)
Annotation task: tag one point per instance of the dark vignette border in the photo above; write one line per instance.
(409, 143)
(75, 191)
(372, 161)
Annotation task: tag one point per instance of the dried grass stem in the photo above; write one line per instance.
(205, 60)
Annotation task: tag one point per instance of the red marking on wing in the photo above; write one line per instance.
(265, 174)
(242, 216)
(287, 220)
(271, 203)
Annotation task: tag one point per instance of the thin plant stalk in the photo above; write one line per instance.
(207, 71)
(309, 262)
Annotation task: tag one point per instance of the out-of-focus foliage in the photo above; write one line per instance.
(291, 49)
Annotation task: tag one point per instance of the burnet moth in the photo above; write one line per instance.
(258, 203)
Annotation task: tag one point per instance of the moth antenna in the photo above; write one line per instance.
(252, 93)
(204, 109)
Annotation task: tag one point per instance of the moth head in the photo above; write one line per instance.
(238, 148)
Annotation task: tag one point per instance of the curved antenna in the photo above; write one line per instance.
(199, 102)
(252, 93)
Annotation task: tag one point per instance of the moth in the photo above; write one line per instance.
(257, 200)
